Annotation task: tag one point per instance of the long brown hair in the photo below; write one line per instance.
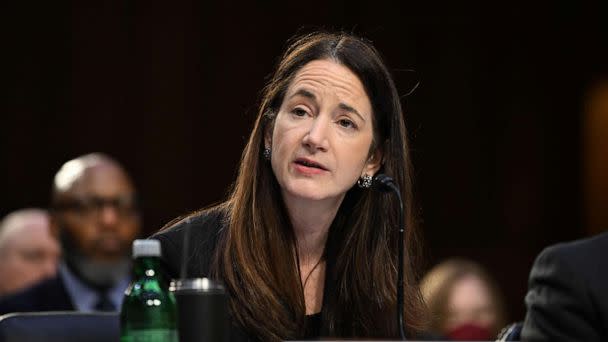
(256, 256)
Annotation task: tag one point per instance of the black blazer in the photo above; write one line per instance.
(567, 298)
(48, 295)
(205, 230)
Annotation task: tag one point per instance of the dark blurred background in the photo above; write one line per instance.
(498, 121)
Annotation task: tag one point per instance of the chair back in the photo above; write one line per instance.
(56, 326)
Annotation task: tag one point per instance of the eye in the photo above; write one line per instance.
(298, 111)
(34, 256)
(347, 123)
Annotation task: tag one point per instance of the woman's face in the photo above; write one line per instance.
(322, 133)
(470, 302)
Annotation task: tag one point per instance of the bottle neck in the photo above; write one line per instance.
(146, 266)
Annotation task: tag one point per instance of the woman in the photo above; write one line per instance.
(303, 245)
(464, 301)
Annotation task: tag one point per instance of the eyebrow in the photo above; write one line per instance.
(351, 110)
(305, 93)
(343, 106)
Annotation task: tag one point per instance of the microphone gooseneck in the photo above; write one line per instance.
(384, 183)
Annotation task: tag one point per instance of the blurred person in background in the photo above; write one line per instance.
(464, 301)
(95, 214)
(29, 252)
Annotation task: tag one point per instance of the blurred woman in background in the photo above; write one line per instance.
(464, 302)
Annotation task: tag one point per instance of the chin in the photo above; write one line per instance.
(307, 192)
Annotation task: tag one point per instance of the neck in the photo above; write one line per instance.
(311, 220)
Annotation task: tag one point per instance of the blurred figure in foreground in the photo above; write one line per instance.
(29, 252)
(95, 213)
(464, 302)
(567, 298)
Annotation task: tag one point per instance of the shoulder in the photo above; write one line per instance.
(594, 245)
(47, 295)
(203, 223)
(203, 228)
(566, 297)
(581, 263)
(580, 256)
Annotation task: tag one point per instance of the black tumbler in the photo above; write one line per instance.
(202, 310)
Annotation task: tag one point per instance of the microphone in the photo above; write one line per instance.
(384, 183)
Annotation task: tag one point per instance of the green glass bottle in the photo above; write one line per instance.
(149, 312)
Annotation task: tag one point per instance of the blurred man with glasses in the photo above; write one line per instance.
(94, 212)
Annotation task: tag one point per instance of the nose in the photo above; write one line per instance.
(316, 137)
(108, 216)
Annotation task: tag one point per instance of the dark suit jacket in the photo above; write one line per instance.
(567, 298)
(48, 295)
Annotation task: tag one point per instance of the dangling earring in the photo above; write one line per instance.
(267, 153)
(365, 181)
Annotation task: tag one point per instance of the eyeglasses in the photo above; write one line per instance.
(37, 256)
(124, 206)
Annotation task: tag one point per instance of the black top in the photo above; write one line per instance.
(313, 326)
(205, 231)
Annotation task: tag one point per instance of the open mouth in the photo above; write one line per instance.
(309, 163)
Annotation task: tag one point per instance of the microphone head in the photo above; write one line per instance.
(384, 183)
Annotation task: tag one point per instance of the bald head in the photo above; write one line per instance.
(76, 171)
(28, 250)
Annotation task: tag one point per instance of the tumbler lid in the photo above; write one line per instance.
(146, 248)
(196, 284)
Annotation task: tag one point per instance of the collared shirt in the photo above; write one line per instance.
(84, 297)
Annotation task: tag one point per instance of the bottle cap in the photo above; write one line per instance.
(146, 247)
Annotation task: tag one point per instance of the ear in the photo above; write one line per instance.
(374, 163)
(268, 135)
